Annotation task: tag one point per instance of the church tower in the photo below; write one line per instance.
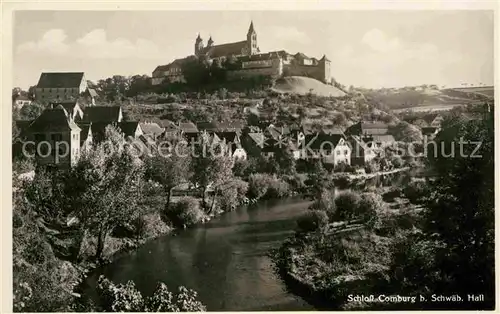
(252, 40)
(210, 42)
(198, 46)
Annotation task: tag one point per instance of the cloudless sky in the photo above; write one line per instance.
(366, 48)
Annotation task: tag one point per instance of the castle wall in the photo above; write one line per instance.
(317, 72)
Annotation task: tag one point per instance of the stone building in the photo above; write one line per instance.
(249, 61)
(53, 86)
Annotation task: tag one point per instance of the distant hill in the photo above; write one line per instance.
(410, 97)
(303, 85)
(488, 91)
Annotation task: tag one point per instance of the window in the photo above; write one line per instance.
(338, 152)
(345, 152)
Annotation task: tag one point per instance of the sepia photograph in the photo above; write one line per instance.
(252, 160)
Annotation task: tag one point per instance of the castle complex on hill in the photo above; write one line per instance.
(249, 61)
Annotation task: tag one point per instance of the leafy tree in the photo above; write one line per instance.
(31, 111)
(460, 210)
(126, 298)
(406, 132)
(170, 170)
(312, 221)
(104, 188)
(318, 179)
(346, 205)
(211, 167)
(283, 162)
(185, 212)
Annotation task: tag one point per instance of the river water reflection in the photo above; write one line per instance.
(225, 260)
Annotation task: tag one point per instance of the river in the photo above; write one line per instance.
(226, 260)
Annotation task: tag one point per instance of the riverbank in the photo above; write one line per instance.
(327, 265)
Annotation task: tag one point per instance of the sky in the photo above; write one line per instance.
(370, 49)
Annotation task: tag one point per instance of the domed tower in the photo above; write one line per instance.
(198, 46)
(210, 42)
(252, 40)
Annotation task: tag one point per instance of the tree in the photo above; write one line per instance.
(105, 187)
(460, 210)
(346, 205)
(31, 111)
(283, 162)
(170, 170)
(319, 179)
(406, 132)
(126, 298)
(211, 166)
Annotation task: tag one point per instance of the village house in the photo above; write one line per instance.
(152, 129)
(103, 114)
(330, 148)
(60, 86)
(361, 152)
(376, 132)
(49, 130)
(20, 100)
(73, 107)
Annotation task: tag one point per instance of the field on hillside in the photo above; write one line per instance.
(303, 85)
(483, 90)
(431, 98)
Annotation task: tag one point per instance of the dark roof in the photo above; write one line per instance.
(102, 113)
(315, 141)
(225, 49)
(379, 138)
(60, 80)
(99, 130)
(228, 136)
(128, 127)
(166, 67)
(258, 138)
(85, 128)
(23, 124)
(151, 128)
(69, 105)
(370, 128)
(53, 120)
(167, 125)
(264, 56)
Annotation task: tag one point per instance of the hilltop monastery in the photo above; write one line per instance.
(249, 61)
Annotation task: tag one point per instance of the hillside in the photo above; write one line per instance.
(425, 97)
(303, 85)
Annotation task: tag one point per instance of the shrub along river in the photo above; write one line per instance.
(225, 260)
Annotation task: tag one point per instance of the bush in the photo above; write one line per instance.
(126, 298)
(232, 195)
(258, 184)
(278, 189)
(312, 220)
(397, 161)
(372, 167)
(347, 205)
(325, 202)
(415, 191)
(185, 212)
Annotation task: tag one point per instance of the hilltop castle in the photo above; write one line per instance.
(249, 61)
